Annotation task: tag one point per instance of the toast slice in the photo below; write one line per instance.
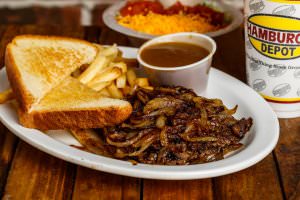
(36, 64)
(73, 105)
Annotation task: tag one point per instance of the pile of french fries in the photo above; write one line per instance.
(109, 74)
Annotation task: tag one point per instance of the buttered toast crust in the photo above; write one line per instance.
(23, 96)
(95, 118)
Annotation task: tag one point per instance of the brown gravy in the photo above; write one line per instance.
(173, 54)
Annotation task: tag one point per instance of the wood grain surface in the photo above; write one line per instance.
(7, 34)
(99, 185)
(27, 173)
(230, 55)
(64, 16)
(258, 182)
(7, 148)
(185, 190)
(37, 175)
(110, 37)
(287, 153)
(7, 140)
(32, 169)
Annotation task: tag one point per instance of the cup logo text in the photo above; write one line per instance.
(277, 37)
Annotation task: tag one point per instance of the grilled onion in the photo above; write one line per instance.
(173, 126)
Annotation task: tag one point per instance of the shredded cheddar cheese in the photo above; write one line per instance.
(158, 24)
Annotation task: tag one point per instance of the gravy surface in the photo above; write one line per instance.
(173, 54)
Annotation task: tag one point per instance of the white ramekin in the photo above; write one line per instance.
(193, 76)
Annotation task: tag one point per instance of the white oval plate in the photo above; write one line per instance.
(109, 18)
(258, 143)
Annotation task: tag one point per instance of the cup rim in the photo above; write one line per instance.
(208, 57)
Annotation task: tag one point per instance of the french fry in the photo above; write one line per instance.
(121, 81)
(114, 91)
(111, 51)
(142, 82)
(97, 65)
(99, 86)
(120, 65)
(102, 60)
(109, 74)
(131, 76)
(108, 50)
(6, 96)
(104, 92)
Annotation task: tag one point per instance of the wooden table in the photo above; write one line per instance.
(27, 173)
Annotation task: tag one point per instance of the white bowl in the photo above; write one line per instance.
(109, 17)
(194, 76)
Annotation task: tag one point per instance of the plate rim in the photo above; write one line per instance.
(109, 20)
(120, 167)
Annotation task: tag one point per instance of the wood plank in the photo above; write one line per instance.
(92, 33)
(258, 182)
(2, 30)
(37, 175)
(39, 15)
(10, 32)
(53, 30)
(97, 14)
(230, 55)
(100, 185)
(16, 16)
(110, 37)
(69, 16)
(288, 156)
(8, 143)
(183, 190)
